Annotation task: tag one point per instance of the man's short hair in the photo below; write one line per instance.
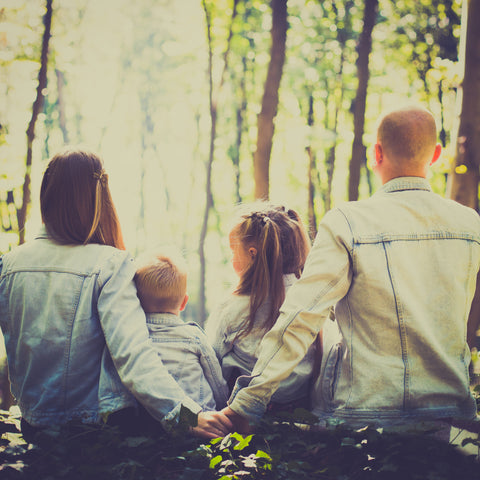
(408, 135)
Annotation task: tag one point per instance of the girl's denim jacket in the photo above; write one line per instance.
(73, 327)
(225, 323)
(401, 269)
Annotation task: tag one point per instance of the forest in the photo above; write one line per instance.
(196, 106)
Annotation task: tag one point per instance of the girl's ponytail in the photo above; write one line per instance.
(267, 279)
(282, 244)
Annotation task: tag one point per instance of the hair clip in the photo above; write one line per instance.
(100, 175)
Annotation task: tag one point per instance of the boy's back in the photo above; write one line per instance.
(189, 358)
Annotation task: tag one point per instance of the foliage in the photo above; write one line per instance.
(279, 450)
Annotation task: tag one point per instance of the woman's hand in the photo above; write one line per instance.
(212, 425)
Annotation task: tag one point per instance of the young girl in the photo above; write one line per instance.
(269, 246)
(75, 333)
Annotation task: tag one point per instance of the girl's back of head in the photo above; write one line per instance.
(280, 244)
(76, 203)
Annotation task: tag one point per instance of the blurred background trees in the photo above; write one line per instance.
(176, 95)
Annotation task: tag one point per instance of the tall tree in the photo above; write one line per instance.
(358, 148)
(214, 93)
(312, 174)
(36, 109)
(266, 117)
(464, 178)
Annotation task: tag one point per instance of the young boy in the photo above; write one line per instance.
(183, 347)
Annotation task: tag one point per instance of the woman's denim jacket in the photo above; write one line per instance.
(401, 268)
(71, 320)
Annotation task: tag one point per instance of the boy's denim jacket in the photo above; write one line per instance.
(71, 320)
(401, 269)
(190, 359)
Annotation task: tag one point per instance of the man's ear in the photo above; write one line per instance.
(184, 303)
(253, 252)
(378, 154)
(436, 154)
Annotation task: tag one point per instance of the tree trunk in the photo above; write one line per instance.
(240, 113)
(464, 178)
(202, 312)
(364, 48)
(265, 126)
(36, 109)
(62, 118)
(312, 170)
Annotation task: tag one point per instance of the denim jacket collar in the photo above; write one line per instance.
(42, 233)
(169, 319)
(405, 183)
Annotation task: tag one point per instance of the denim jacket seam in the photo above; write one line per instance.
(350, 347)
(402, 328)
(431, 235)
(68, 343)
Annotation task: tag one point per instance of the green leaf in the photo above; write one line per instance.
(262, 454)
(215, 461)
(243, 443)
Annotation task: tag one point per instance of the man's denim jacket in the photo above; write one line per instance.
(190, 359)
(401, 270)
(73, 326)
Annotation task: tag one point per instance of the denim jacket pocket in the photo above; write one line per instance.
(331, 374)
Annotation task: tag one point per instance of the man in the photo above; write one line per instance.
(400, 269)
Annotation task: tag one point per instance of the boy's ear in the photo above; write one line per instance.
(184, 303)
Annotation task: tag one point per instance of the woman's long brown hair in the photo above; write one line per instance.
(282, 245)
(76, 203)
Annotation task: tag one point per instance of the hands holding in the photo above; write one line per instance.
(212, 425)
(240, 424)
(219, 424)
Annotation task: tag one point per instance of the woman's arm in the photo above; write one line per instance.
(126, 335)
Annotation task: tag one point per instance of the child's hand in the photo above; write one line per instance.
(212, 425)
(241, 424)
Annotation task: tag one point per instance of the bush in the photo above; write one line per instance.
(278, 450)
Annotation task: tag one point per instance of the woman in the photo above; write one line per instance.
(70, 315)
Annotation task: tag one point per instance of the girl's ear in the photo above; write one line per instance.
(253, 252)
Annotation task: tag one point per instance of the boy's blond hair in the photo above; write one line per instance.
(161, 283)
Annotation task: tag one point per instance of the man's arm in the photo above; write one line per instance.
(474, 317)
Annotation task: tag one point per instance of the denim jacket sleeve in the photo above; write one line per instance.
(217, 331)
(213, 373)
(325, 280)
(126, 335)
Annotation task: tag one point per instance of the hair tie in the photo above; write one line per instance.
(100, 176)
